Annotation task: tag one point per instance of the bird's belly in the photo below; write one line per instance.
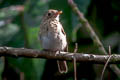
(54, 42)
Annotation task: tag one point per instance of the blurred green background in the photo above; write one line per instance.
(19, 27)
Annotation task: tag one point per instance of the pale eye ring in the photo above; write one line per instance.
(49, 14)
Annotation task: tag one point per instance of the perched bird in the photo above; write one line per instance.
(52, 36)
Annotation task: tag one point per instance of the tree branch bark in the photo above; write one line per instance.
(80, 57)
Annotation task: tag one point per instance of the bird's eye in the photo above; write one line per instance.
(49, 14)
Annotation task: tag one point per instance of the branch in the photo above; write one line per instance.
(80, 57)
(92, 33)
(88, 27)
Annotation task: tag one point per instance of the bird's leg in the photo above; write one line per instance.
(57, 53)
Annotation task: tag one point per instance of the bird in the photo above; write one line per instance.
(53, 37)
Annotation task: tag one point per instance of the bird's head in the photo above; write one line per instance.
(52, 14)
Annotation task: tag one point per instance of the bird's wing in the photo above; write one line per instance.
(63, 31)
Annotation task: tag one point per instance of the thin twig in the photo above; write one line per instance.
(21, 75)
(76, 48)
(106, 63)
(74, 62)
(109, 50)
(75, 69)
(105, 67)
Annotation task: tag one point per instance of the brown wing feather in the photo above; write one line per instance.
(66, 48)
(63, 31)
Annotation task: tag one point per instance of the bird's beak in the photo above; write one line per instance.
(58, 13)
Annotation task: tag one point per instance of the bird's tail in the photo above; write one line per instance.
(62, 66)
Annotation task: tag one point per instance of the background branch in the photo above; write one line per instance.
(80, 57)
(92, 33)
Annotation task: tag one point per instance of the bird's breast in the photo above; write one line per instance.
(53, 38)
(54, 41)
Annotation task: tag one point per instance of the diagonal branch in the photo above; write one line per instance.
(92, 33)
(80, 57)
(88, 27)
